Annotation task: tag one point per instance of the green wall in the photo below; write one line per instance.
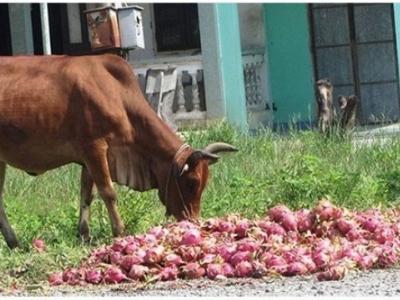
(290, 65)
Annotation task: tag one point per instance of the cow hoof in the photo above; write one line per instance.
(10, 237)
(84, 232)
(12, 244)
(119, 232)
(86, 238)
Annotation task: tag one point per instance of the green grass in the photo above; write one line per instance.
(296, 168)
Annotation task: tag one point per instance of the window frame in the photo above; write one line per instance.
(74, 48)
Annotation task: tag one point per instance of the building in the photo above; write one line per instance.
(253, 64)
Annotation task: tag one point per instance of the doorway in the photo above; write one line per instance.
(5, 34)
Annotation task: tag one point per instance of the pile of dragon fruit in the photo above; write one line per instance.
(326, 240)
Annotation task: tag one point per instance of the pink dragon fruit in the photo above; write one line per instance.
(138, 272)
(114, 275)
(193, 271)
(244, 269)
(56, 278)
(93, 276)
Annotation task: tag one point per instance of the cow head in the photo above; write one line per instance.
(187, 178)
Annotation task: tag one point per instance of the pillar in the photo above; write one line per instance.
(222, 63)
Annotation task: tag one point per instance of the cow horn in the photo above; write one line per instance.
(219, 147)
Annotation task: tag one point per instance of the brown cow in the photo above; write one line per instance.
(325, 109)
(56, 110)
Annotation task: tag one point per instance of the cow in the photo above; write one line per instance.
(325, 110)
(89, 110)
(348, 107)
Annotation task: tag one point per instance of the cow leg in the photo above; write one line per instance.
(87, 194)
(96, 161)
(6, 230)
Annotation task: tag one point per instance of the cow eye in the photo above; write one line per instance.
(192, 184)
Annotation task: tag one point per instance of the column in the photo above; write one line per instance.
(222, 63)
(44, 16)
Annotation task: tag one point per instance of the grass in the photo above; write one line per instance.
(296, 168)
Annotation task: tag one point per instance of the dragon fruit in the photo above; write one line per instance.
(114, 275)
(244, 269)
(93, 276)
(191, 237)
(304, 220)
(154, 255)
(242, 227)
(39, 245)
(326, 241)
(138, 272)
(214, 270)
(168, 273)
(56, 278)
(296, 268)
(72, 276)
(193, 271)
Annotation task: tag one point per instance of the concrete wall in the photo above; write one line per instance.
(251, 18)
(290, 62)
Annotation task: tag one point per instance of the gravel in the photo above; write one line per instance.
(368, 283)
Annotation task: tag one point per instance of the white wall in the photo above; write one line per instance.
(148, 26)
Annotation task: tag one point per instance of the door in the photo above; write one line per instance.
(5, 35)
(354, 46)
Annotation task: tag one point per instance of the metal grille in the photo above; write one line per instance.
(253, 70)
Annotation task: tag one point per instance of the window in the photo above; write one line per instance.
(68, 29)
(176, 26)
(354, 46)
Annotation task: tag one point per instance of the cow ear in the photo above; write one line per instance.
(210, 151)
(212, 158)
(199, 155)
